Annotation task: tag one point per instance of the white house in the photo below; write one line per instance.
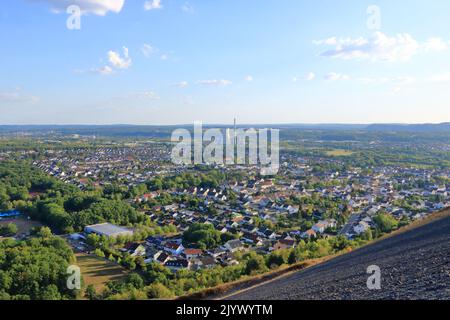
(361, 227)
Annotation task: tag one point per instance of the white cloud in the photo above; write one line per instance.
(333, 76)
(435, 45)
(115, 60)
(164, 56)
(379, 47)
(187, 100)
(152, 5)
(187, 7)
(294, 79)
(147, 95)
(118, 61)
(439, 78)
(182, 84)
(97, 7)
(17, 96)
(106, 70)
(396, 90)
(401, 80)
(310, 76)
(249, 78)
(221, 82)
(147, 50)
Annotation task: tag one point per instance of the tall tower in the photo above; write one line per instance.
(235, 134)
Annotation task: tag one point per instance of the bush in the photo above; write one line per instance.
(8, 230)
(385, 222)
(158, 291)
(255, 264)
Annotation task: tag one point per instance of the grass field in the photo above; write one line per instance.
(98, 271)
(22, 224)
(338, 153)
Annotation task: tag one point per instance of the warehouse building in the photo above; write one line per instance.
(109, 230)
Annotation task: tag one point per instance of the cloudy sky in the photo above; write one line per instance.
(177, 61)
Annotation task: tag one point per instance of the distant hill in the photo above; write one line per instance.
(164, 131)
(440, 127)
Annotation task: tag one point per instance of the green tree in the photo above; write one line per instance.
(385, 222)
(9, 230)
(203, 235)
(255, 264)
(158, 291)
(90, 292)
(135, 280)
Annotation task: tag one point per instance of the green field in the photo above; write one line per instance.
(98, 271)
(338, 153)
(24, 225)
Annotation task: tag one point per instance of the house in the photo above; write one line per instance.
(207, 262)
(266, 233)
(155, 241)
(134, 249)
(160, 257)
(175, 265)
(319, 227)
(361, 227)
(174, 248)
(234, 245)
(331, 223)
(192, 253)
(309, 234)
(252, 238)
(217, 252)
(228, 259)
(284, 244)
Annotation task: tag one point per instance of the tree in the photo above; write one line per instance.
(51, 292)
(4, 202)
(99, 253)
(9, 230)
(90, 292)
(385, 222)
(255, 264)
(44, 232)
(135, 280)
(158, 291)
(203, 235)
(44, 261)
(277, 258)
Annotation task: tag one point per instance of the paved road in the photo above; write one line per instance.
(414, 265)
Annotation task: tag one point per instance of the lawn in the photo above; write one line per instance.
(24, 225)
(338, 153)
(98, 271)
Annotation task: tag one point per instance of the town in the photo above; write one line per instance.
(191, 217)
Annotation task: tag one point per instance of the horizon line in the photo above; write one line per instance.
(231, 123)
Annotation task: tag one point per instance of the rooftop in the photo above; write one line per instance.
(107, 229)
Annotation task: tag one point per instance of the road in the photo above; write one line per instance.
(414, 265)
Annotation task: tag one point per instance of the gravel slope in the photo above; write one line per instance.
(414, 265)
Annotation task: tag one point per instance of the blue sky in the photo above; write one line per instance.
(176, 61)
